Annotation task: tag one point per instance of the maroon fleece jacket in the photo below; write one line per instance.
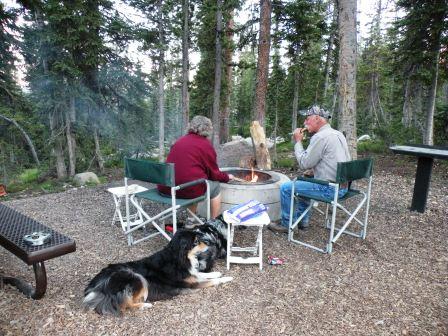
(194, 157)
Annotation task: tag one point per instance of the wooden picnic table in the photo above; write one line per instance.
(425, 158)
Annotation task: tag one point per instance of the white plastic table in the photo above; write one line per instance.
(256, 250)
(119, 195)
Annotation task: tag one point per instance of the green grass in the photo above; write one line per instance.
(372, 146)
(286, 146)
(286, 162)
(29, 175)
(35, 180)
(49, 186)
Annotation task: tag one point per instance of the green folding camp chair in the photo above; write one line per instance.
(158, 173)
(347, 172)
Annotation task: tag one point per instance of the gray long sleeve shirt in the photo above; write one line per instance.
(327, 147)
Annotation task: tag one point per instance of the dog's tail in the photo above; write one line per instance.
(114, 290)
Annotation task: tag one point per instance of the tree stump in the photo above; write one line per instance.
(260, 148)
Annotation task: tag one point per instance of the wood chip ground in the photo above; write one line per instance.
(393, 283)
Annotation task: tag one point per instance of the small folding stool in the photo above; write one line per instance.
(257, 250)
(119, 195)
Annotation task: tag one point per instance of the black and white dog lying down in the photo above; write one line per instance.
(183, 265)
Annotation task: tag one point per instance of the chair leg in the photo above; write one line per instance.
(149, 220)
(195, 216)
(229, 244)
(293, 225)
(331, 234)
(117, 203)
(128, 219)
(364, 229)
(260, 246)
(208, 201)
(327, 207)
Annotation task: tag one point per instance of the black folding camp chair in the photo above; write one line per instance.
(347, 172)
(158, 173)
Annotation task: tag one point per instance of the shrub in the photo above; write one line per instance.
(286, 163)
(29, 176)
(286, 146)
(372, 146)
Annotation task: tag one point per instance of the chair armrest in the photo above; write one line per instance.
(189, 184)
(313, 180)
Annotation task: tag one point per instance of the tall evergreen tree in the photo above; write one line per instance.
(423, 31)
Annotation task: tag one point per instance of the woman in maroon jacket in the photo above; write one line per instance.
(194, 158)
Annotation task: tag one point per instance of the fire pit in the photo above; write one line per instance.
(263, 186)
(250, 176)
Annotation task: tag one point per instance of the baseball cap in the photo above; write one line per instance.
(316, 110)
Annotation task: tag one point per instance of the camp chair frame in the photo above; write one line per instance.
(347, 172)
(158, 173)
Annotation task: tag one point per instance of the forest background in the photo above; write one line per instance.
(85, 102)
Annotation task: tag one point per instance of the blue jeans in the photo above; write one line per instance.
(308, 188)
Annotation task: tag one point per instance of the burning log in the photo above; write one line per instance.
(253, 176)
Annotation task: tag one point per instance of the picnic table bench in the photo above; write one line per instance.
(425, 158)
(13, 227)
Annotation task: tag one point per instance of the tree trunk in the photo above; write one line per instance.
(218, 74)
(275, 132)
(161, 100)
(225, 128)
(428, 138)
(264, 43)
(406, 119)
(185, 67)
(375, 110)
(70, 116)
(417, 112)
(445, 99)
(57, 150)
(295, 101)
(25, 135)
(436, 33)
(334, 110)
(347, 72)
(330, 50)
(98, 155)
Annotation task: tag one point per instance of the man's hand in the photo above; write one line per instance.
(298, 134)
(231, 177)
(308, 173)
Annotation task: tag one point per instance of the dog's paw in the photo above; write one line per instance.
(213, 275)
(209, 275)
(145, 305)
(226, 279)
(222, 280)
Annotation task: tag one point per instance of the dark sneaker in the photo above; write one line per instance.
(277, 227)
(303, 226)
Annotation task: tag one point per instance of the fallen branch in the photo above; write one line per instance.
(25, 135)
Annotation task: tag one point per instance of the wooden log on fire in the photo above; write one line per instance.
(260, 148)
